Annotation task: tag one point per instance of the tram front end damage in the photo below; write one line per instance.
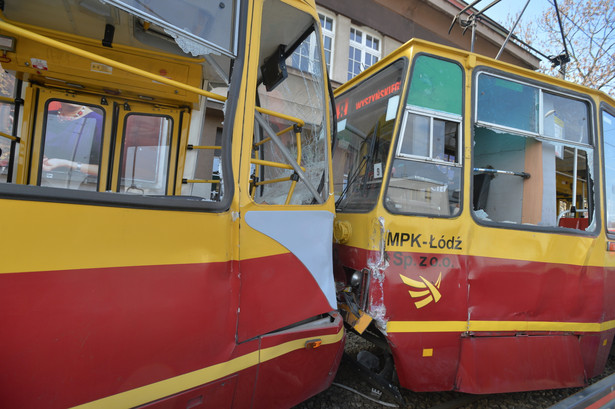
(444, 319)
(361, 303)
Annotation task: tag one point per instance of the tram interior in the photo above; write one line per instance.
(532, 155)
(142, 122)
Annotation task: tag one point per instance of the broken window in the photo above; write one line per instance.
(533, 157)
(198, 27)
(426, 173)
(290, 153)
(608, 135)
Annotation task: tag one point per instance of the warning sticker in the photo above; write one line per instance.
(102, 68)
(39, 64)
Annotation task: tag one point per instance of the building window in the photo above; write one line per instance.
(327, 24)
(364, 51)
(303, 57)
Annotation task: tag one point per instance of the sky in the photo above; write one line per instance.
(504, 8)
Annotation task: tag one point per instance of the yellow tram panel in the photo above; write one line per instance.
(60, 68)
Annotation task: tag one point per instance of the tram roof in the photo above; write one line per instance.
(469, 61)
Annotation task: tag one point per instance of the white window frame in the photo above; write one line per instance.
(330, 34)
(432, 115)
(364, 48)
(311, 51)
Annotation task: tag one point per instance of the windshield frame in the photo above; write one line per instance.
(344, 202)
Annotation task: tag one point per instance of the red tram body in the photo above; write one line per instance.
(161, 193)
(474, 221)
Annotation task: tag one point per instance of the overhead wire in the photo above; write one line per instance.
(533, 49)
(590, 37)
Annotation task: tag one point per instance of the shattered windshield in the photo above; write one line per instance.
(198, 26)
(293, 130)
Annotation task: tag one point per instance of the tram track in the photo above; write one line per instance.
(350, 390)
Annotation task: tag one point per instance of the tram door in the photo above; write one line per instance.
(111, 286)
(68, 147)
(145, 151)
(286, 217)
(97, 143)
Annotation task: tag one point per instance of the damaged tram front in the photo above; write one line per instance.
(475, 213)
(164, 180)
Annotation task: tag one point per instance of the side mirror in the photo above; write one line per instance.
(274, 69)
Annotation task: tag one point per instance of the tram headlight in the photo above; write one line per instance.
(356, 279)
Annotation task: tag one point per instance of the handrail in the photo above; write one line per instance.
(191, 147)
(287, 156)
(94, 42)
(8, 100)
(11, 137)
(279, 133)
(524, 175)
(566, 212)
(271, 181)
(294, 178)
(186, 181)
(272, 164)
(128, 68)
(289, 118)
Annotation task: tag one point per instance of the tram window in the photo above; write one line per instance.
(72, 138)
(8, 146)
(6, 127)
(429, 138)
(565, 118)
(425, 177)
(145, 154)
(203, 166)
(608, 134)
(366, 119)
(195, 26)
(436, 85)
(426, 174)
(534, 166)
(301, 95)
(7, 84)
(5, 159)
(508, 103)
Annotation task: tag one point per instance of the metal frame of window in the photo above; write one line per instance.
(328, 33)
(540, 134)
(590, 147)
(432, 115)
(609, 182)
(178, 32)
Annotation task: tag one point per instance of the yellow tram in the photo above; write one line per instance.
(164, 180)
(475, 227)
